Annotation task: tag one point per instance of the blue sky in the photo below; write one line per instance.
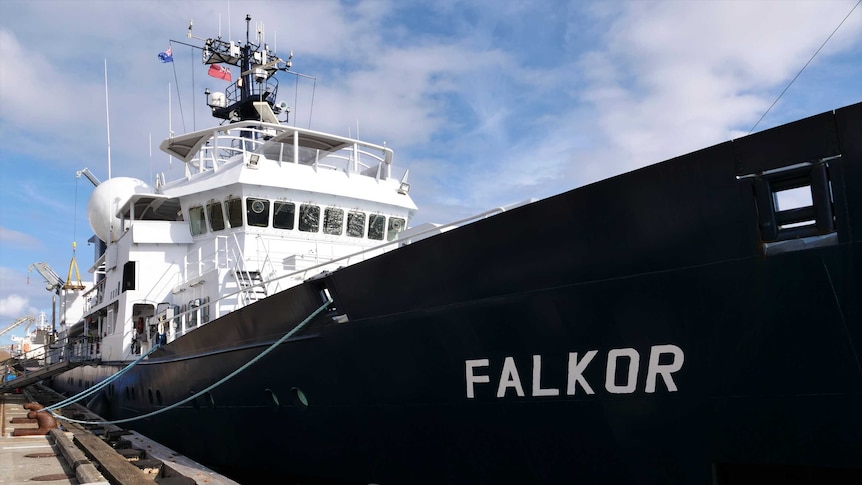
(486, 102)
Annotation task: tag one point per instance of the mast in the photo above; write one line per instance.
(246, 61)
(255, 85)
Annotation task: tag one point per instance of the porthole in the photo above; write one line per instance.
(273, 399)
(299, 398)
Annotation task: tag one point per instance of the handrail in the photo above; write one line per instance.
(246, 138)
(68, 347)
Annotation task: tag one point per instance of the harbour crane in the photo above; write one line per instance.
(54, 283)
(17, 322)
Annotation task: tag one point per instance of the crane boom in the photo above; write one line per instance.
(51, 277)
(19, 321)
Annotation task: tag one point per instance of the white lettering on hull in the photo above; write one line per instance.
(576, 370)
(474, 379)
(631, 376)
(624, 361)
(509, 378)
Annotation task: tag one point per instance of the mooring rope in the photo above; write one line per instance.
(99, 386)
(213, 386)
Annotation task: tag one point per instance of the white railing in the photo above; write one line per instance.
(95, 295)
(281, 143)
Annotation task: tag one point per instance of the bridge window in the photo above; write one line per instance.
(197, 221)
(234, 212)
(396, 225)
(376, 226)
(309, 218)
(257, 212)
(355, 224)
(216, 216)
(283, 215)
(333, 220)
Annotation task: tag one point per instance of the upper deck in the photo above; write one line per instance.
(251, 141)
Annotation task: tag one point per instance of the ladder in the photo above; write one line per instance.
(251, 285)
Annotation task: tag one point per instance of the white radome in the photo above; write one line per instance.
(107, 198)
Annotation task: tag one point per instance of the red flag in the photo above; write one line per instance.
(220, 72)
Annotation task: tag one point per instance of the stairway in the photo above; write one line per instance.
(251, 284)
(50, 370)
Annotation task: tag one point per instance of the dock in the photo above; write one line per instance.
(86, 454)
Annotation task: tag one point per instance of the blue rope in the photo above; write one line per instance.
(220, 382)
(100, 386)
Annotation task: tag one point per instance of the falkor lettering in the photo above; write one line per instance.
(576, 383)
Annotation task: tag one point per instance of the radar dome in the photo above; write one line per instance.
(107, 198)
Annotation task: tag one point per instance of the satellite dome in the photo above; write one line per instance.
(107, 198)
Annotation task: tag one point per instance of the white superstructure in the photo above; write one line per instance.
(261, 207)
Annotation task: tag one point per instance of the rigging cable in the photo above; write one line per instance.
(194, 114)
(295, 97)
(179, 98)
(313, 89)
(803, 67)
(75, 218)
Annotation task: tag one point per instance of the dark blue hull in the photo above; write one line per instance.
(663, 326)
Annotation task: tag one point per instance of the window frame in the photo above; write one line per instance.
(303, 219)
(209, 208)
(276, 210)
(199, 223)
(372, 221)
(327, 226)
(249, 203)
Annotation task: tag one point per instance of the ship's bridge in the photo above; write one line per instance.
(211, 149)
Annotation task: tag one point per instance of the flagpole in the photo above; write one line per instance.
(170, 127)
(194, 114)
(108, 118)
(112, 207)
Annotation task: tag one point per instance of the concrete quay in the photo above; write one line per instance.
(82, 454)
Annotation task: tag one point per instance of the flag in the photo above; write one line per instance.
(220, 72)
(166, 56)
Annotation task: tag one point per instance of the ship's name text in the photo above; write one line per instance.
(663, 362)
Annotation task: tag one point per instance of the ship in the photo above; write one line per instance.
(273, 314)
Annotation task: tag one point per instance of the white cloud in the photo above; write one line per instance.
(19, 293)
(9, 236)
(677, 76)
(13, 306)
(666, 78)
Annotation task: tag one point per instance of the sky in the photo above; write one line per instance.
(487, 103)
